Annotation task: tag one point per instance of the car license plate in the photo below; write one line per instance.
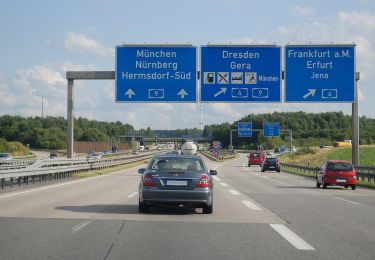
(176, 183)
(340, 180)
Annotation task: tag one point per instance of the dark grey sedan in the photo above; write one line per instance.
(173, 179)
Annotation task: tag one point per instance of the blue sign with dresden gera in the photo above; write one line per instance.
(240, 73)
(150, 73)
(322, 73)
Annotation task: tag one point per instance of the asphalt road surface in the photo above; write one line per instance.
(256, 216)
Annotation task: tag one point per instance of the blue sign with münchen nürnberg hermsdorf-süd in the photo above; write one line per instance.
(321, 73)
(240, 73)
(151, 73)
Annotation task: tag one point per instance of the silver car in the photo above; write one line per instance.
(173, 179)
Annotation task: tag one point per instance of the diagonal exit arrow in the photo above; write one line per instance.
(130, 93)
(182, 93)
(222, 91)
(310, 93)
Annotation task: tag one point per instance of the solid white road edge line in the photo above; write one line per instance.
(133, 194)
(347, 200)
(80, 226)
(291, 237)
(234, 192)
(224, 184)
(216, 178)
(250, 205)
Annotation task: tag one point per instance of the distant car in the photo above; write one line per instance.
(292, 149)
(336, 172)
(271, 163)
(276, 150)
(53, 154)
(95, 156)
(255, 158)
(5, 157)
(172, 179)
(158, 148)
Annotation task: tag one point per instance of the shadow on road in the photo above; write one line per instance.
(128, 209)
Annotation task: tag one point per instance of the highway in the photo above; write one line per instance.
(256, 216)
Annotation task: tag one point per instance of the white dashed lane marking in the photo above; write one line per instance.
(234, 192)
(250, 205)
(80, 226)
(353, 202)
(224, 184)
(132, 194)
(291, 237)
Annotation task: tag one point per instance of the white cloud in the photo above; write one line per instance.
(303, 11)
(80, 43)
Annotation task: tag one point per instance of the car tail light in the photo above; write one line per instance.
(147, 180)
(204, 182)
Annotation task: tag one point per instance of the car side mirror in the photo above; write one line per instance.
(213, 172)
(142, 170)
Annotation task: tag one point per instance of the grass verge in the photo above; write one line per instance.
(109, 170)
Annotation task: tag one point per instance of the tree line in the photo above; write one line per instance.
(308, 129)
(50, 132)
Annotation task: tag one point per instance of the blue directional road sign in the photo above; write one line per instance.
(323, 73)
(245, 129)
(271, 129)
(240, 73)
(150, 73)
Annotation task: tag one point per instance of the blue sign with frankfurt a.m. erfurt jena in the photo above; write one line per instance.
(321, 73)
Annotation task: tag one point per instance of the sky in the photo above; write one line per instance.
(41, 40)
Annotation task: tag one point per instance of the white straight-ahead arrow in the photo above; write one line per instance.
(310, 93)
(130, 93)
(222, 91)
(182, 93)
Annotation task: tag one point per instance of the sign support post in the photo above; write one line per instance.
(71, 76)
(355, 123)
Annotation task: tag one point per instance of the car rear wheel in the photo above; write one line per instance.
(353, 187)
(317, 184)
(249, 165)
(142, 207)
(263, 170)
(208, 209)
(278, 170)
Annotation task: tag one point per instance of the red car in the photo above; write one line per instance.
(336, 172)
(256, 158)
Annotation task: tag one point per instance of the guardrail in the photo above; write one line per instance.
(54, 169)
(15, 164)
(363, 172)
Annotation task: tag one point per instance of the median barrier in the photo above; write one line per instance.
(56, 168)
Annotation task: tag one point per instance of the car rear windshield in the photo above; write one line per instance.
(255, 154)
(177, 164)
(271, 160)
(341, 166)
(4, 155)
